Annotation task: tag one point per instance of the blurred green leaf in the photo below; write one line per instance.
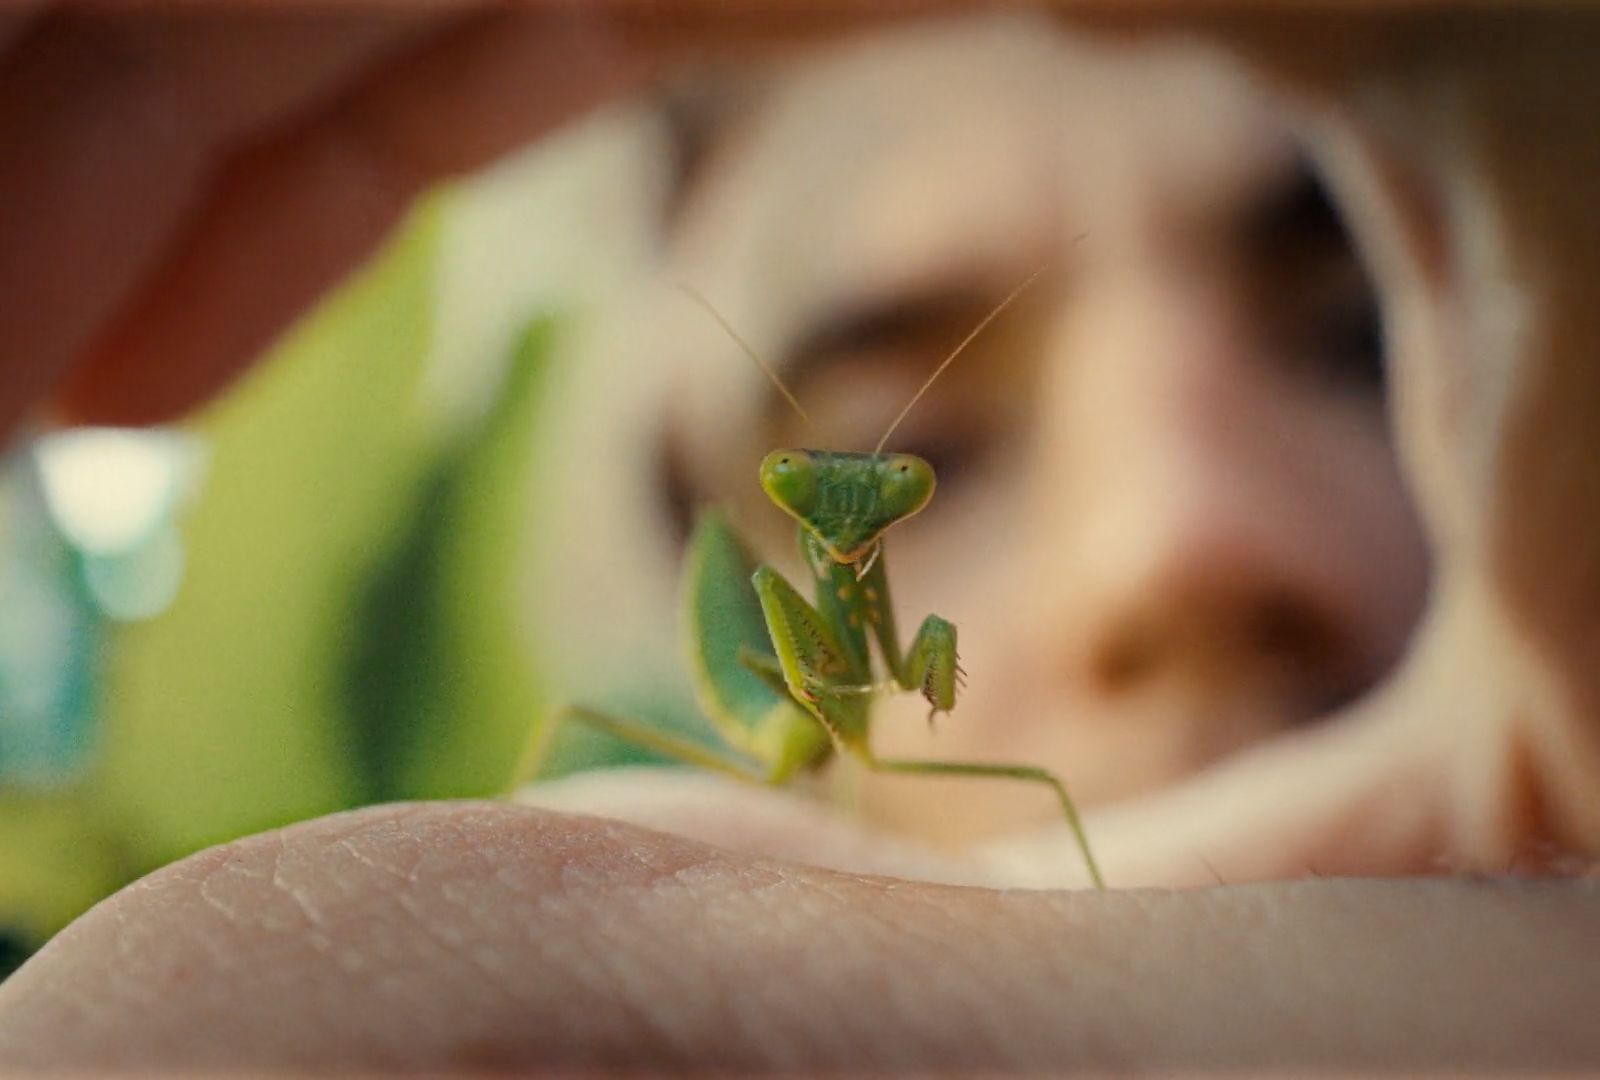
(224, 713)
(439, 687)
(56, 859)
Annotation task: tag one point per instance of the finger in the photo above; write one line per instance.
(751, 820)
(487, 935)
(290, 217)
(109, 130)
(15, 20)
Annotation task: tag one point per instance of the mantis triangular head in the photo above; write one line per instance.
(847, 500)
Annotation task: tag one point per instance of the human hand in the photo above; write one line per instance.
(176, 187)
(471, 936)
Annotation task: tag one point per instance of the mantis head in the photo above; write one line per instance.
(847, 500)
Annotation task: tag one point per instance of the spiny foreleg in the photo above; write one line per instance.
(932, 667)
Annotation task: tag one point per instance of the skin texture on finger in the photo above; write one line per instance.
(110, 130)
(784, 824)
(487, 935)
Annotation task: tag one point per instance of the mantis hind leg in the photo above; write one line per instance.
(997, 771)
(642, 735)
(785, 741)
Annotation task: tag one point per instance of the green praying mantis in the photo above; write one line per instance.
(787, 682)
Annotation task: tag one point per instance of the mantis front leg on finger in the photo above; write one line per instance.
(788, 681)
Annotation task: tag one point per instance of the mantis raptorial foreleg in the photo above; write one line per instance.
(813, 658)
(931, 665)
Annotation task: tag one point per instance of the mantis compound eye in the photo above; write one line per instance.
(906, 484)
(789, 477)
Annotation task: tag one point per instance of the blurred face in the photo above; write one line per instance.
(1168, 520)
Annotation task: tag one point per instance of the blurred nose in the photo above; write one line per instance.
(1232, 549)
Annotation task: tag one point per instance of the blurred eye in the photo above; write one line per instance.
(857, 370)
(1315, 305)
(952, 452)
(1345, 339)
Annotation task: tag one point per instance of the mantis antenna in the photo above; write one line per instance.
(755, 358)
(987, 319)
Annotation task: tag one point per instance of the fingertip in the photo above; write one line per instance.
(364, 939)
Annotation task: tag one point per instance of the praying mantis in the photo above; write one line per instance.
(787, 682)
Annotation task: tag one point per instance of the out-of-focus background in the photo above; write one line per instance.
(1169, 521)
